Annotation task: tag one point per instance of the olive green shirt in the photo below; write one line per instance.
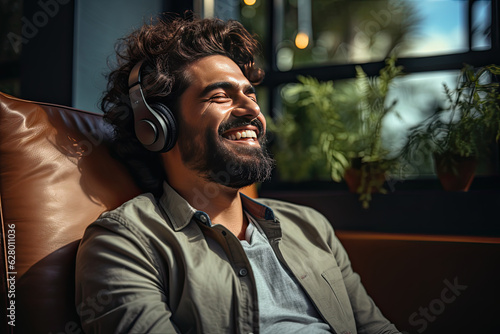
(159, 266)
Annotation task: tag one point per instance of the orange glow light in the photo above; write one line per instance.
(301, 40)
(250, 2)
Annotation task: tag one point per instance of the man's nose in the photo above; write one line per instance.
(246, 107)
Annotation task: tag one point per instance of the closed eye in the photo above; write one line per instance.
(220, 97)
(251, 93)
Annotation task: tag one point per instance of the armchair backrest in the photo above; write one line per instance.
(56, 177)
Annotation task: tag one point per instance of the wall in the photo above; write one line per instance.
(98, 25)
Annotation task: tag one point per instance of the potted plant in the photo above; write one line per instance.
(457, 135)
(335, 131)
(371, 161)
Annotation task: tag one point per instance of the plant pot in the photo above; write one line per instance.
(352, 177)
(455, 173)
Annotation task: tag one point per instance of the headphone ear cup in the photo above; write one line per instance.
(155, 126)
(170, 135)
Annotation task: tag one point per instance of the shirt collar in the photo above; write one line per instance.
(258, 210)
(180, 212)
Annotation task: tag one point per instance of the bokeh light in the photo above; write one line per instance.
(301, 40)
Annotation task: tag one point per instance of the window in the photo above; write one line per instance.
(328, 40)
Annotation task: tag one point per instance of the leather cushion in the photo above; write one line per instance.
(56, 177)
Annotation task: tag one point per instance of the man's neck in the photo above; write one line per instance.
(228, 211)
(221, 203)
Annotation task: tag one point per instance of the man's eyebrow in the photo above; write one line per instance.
(226, 85)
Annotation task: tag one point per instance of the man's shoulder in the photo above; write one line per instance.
(143, 207)
(142, 202)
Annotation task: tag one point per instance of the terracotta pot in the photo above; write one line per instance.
(455, 173)
(352, 177)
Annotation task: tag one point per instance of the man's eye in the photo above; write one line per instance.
(219, 97)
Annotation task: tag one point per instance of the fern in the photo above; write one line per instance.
(335, 124)
(468, 125)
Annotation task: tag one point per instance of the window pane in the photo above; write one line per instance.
(337, 32)
(481, 25)
(442, 28)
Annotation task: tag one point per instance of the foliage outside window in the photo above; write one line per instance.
(327, 130)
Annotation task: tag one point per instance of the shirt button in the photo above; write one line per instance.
(203, 218)
(243, 272)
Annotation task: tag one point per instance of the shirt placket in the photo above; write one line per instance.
(247, 315)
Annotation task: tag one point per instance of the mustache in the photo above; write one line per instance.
(242, 122)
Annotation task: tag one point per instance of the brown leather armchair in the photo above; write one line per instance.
(56, 177)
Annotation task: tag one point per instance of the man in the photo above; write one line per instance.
(194, 255)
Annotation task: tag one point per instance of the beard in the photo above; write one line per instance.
(236, 166)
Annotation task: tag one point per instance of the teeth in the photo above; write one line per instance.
(242, 134)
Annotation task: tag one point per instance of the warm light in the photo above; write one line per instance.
(250, 2)
(302, 40)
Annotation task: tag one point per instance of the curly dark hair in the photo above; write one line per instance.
(167, 46)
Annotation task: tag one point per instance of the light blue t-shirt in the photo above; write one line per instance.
(283, 305)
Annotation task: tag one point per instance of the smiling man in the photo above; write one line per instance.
(223, 130)
(192, 254)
